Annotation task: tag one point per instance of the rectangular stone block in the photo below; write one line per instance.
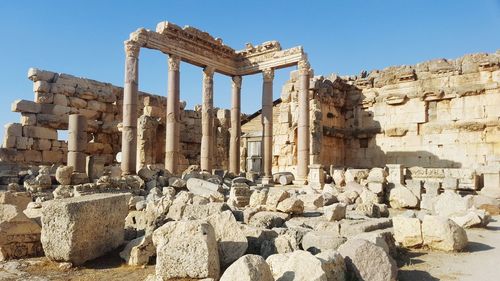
(39, 132)
(32, 156)
(26, 106)
(41, 97)
(55, 109)
(450, 183)
(49, 156)
(97, 226)
(415, 186)
(14, 129)
(28, 119)
(9, 141)
(432, 188)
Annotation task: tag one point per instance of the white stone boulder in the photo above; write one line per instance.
(186, 249)
(291, 205)
(450, 203)
(248, 268)
(401, 197)
(440, 233)
(83, 228)
(139, 251)
(473, 218)
(334, 212)
(268, 219)
(319, 241)
(275, 196)
(231, 240)
(366, 261)
(333, 264)
(202, 187)
(296, 266)
(63, 174)
(407, 231)
(258, 198)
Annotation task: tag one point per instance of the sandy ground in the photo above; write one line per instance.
(480, 261)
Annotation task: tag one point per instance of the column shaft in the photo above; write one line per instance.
(303, 123)
(173, 114)
(207, 121)
(267, 124)
(129, 129)
(77, 142)
(234, 144)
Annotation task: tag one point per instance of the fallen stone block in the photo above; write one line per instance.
(401, 197)
(18, 199)
(366, 261)
(334, 212)
(232, 242)
(202, 187)
(450, 203)
(19, 235)
(186, 249)
(275, 196)
(407, 231)
(258, 197)
(319, 241)
(248, 268)
(299, 265)
(268, 219)
(63, 174)
(139, 251)
(440, 233)
(239, 195)
(83, 228)
(333, 264)
(353, 227)
(383, 238)
(473, 218)
(291, 205)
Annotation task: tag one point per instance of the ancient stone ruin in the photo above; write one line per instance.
(334, 180)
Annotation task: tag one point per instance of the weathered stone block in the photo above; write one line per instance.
(83, 228)
(39, 132)
(26, 106)
(186, 249)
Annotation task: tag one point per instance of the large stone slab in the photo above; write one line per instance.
(202, 187)
(186, 249)
(407, 231)
(443, 234)
(299, 265)
(83, 228)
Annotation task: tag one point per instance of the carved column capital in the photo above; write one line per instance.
(304, 67)
(237, 81)
(132, 48)
(209, 71)
(268, 74)
(174, 62)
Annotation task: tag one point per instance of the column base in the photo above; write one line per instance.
(300, 182)
(266, 180)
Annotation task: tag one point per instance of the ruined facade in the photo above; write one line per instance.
(441, 114)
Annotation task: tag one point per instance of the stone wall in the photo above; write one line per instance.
(436, 114)
(35, 139)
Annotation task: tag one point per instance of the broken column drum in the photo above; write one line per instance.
(77, 142)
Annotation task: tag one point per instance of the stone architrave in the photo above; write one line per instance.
(234, 143)
(303, 123)
(77, 142)
(130, 96)
(173, 115)
(267, 124)
(207, 122)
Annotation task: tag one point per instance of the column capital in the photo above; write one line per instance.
(209, 71)
(174, 62)
(237, 81)
(304, 67)
(268, 74)
(132, 48)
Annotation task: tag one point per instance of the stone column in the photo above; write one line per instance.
(207, 120)
(303, 124)
(129, 129)
(234, 144)
(267, 125)
(77, 142)
(173, 114)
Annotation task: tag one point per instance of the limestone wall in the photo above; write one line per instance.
(35, 139)
(441, 113)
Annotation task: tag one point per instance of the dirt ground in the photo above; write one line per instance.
(479, 262)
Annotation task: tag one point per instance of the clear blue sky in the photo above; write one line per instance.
(85, 38)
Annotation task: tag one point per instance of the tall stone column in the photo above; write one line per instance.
(234, 144)
(207, 120)
(77, 142)
(129, 129)
(303, 124)
(173, 115)
(267, 125)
